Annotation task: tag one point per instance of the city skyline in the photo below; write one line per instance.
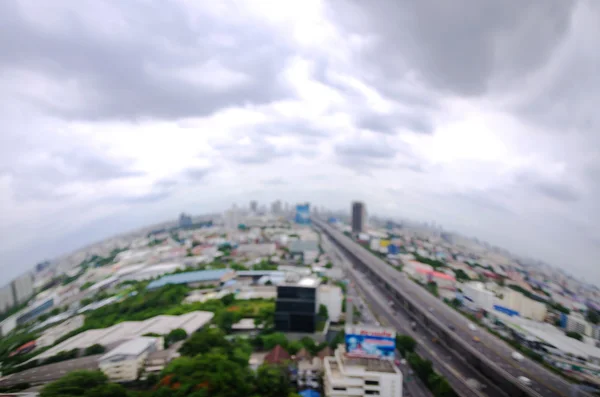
(211, 104)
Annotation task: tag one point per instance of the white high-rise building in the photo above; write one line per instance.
(7, 299)
(231, 218)
(22, 288)
(345, 376)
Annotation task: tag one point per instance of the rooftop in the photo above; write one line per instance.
(133, 347)
(190, 277)
(278, 355)
(297, 246)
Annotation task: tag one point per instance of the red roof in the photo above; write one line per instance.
(436, 274)
(277, 356)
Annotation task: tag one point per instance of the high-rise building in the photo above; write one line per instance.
(7, 299)
(22, 288)
(303, 214)
(185, 220)
(231, 218)
(358, 217)
(296, 306)
(276, 207)
(253, 205)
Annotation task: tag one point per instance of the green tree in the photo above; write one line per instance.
(94, 349)
(329, 265)
(461, 275)
(225, 320)
(228, 299)
(175, 336)
(574, 335)
(203, 341)
(593, 316)
(323, 312)
(83, 383)
(265, 318)
(405, 344)
(211, 374)
(272, 381)
(274, 339)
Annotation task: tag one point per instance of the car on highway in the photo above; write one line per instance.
(452, 328)
(476, 339)
(472, 327)
(524, 380)
(517, 356)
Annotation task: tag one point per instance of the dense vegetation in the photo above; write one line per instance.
(83, 384)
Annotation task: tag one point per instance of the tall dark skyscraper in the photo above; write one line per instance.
(358, 217)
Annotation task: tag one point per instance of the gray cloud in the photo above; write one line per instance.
(556, 190)
(43, 178)
(193, 174)
(456, 46)
(139, 73)
(388, 124)
(258, 151)
(274, 182)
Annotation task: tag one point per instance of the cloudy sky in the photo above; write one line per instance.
(479, 115)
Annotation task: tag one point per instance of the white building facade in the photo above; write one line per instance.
(331, 296)
(125, 362)
(344, 377)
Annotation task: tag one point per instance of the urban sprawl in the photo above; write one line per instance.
(297, 300)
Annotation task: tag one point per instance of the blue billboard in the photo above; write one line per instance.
(303, 214)
(370, 342)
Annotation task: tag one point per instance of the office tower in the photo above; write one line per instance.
(253, 205)
(22, 288)
(276, 207)
(231, 218)
(296, 306)
(303, 214)
(185, 220)
(7, 299)
(358, 217)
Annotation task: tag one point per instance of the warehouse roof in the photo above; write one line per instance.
(303, 245)
(133, 347)
(190, 277)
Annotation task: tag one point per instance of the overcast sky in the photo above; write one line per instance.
(479, 115)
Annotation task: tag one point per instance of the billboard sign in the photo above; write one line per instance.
(370, 342)
(303, 214)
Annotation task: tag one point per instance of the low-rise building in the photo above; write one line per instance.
(123, 363)
(476, 296)
(332, 297)
(51, 335)
(353, 376)
(157, 361)
(577, 323)
(195, 279)
(525, 306)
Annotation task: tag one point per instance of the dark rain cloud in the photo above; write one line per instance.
(138, 74)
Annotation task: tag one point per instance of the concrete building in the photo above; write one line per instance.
(476, 296)
(525, 306)
(358, 217)
(345, 376)
(332, 297)
(296, 306)
(576, 322)
(51, 335)
(7, 299)
(128, 330)
(157, 361)
(37, 308)
(22, 288)
(123, 363)
(256, 250)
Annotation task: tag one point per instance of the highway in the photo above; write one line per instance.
(412, 386)
(544, 382)
(464, 380)
(50, 372)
